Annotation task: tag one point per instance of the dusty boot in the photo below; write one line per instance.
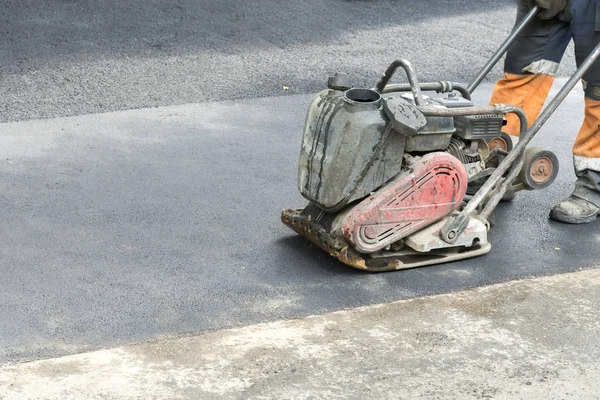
(584, 204)
(575, 210)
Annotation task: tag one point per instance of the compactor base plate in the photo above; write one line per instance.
(305, 225)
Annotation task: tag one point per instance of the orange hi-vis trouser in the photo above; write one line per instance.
(526, 91)
(530, 65)
(530, 92)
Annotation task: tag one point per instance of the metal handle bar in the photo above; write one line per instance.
(416, 88)
(457, 224)
(440, 87)
(496, 109)
(503, 49)
(410, 73)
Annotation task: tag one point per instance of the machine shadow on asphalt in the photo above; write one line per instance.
(310, 258)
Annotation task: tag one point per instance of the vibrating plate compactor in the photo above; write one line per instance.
(396, 179)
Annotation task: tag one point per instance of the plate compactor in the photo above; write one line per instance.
(396, 179)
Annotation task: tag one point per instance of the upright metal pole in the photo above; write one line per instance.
(502, 50)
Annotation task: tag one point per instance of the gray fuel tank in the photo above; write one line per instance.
(349, 148)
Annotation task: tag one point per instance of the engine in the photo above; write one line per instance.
(383, 166)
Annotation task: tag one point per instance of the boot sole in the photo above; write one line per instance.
(560, 217)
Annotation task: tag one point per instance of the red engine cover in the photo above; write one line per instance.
(435, 187)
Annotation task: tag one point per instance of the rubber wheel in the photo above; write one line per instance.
(540, 168)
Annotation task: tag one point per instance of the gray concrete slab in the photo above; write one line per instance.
(68, 57)
(530, 339)
(131, 225)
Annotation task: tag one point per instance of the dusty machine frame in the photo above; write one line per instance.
(482, 203)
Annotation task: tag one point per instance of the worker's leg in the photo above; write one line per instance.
(584, 204)
(530, 65)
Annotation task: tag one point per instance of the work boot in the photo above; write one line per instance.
(584, 204)
(575, 210)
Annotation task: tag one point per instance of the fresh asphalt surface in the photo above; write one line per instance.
(127, 226)
(120, 227)
(67, 57)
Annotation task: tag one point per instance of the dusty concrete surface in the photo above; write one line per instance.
(529, 339)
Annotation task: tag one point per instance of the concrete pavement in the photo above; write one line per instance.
(530, 339)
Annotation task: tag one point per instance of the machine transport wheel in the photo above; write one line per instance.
(540, 168)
